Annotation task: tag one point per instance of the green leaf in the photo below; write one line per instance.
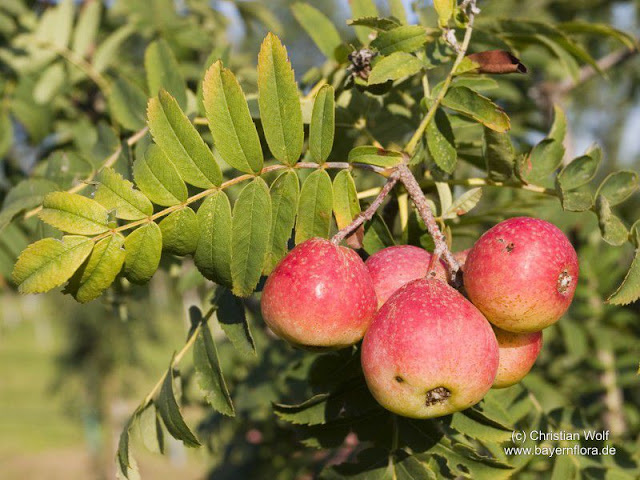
(285, 191)
(346, 205)
(163, 71)
(127, 467)
(158, 179)
(566, 467)
(150, 429)
(576, 201)
(441, 143)
(73, 213)
(499, 155)
(143, 248)
(181, 142)
(86, 30)
(471, 104)
(408, 38)
(603, 29)
(618, 186)
(48, 263)
(579, 172)
(232, 319)
(50, 83)
(6, 133)
(27, 194)
(315, 207)
(107, 52)
(209, 374)
(310, 412)
(371, 155)
(213, 253)
(170, 412)
(396, 7)
(444, 9)
(127, 103)
(382, 24)
(542, 162)
(464, 203)
(99, 271)
(611, 227)
(377, 235)
(234, 133)
(318, 27)
(394, 67)
(251, 226)
(323, 124)
(475, 425)
(117, 194)
(360, 9)
(180, 232)
(629, 290)
(279, 101)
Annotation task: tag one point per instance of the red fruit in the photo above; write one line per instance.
(518, 353)
(319, 296)
(522, 274)
(429, 352)
(394, 267)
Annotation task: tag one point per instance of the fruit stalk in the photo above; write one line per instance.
(441, 248)
(369, 212)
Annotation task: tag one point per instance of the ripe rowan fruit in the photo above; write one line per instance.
(394, 267)
(320, 296)
(518, 353)
(429, 352)
(522, 274)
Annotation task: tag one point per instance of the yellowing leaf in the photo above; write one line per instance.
(346, 205)
(116, 193)
(49, 263)
(73, 213)
(99, 271)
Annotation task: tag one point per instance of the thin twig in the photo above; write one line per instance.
(441, 248)
(369, 212)
(415, 139)
(108, 162)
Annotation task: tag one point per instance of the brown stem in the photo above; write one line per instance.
(420, 201)
(369, 212)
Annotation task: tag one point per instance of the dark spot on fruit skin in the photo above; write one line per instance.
(399, 379)
(510, 247)
(437, 395)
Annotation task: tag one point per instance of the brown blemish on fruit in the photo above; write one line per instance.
(437, 395)
(564, 282)
(399, 379)
(510, 247)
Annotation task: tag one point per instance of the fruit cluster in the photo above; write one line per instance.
(428, 350)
